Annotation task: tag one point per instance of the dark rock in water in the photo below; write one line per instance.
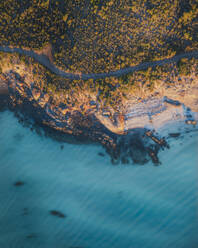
(161, 142)
(138, 146)
(30, 236)
(174, 135)
(62, 146)
(138, 151)
(153, 154)
(124, 160)
(19, 183)
(101, 154)
(25, 211)
(57, 213)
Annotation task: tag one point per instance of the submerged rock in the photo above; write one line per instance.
(101, 154)
(57, 213)
(174, 135)
(19, 183)
(31, 235)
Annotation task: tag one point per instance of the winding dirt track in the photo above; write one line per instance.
(42, 59)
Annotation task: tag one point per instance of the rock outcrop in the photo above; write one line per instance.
(135, 130)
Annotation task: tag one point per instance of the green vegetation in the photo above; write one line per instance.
(93, 36)
(184, 67)
(101, 35)
(110, 91)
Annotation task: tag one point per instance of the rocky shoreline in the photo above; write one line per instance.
(132, 133)
(137, 146)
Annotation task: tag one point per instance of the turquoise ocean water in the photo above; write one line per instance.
(105, 206)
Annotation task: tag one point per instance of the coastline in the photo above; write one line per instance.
(135, 132)
(98, 124)
(137, 145)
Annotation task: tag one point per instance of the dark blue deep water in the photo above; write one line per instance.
(104, 206)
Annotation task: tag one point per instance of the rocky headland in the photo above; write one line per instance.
(119, 73)
(156, 103)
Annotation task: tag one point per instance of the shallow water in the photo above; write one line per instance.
(104, 205)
